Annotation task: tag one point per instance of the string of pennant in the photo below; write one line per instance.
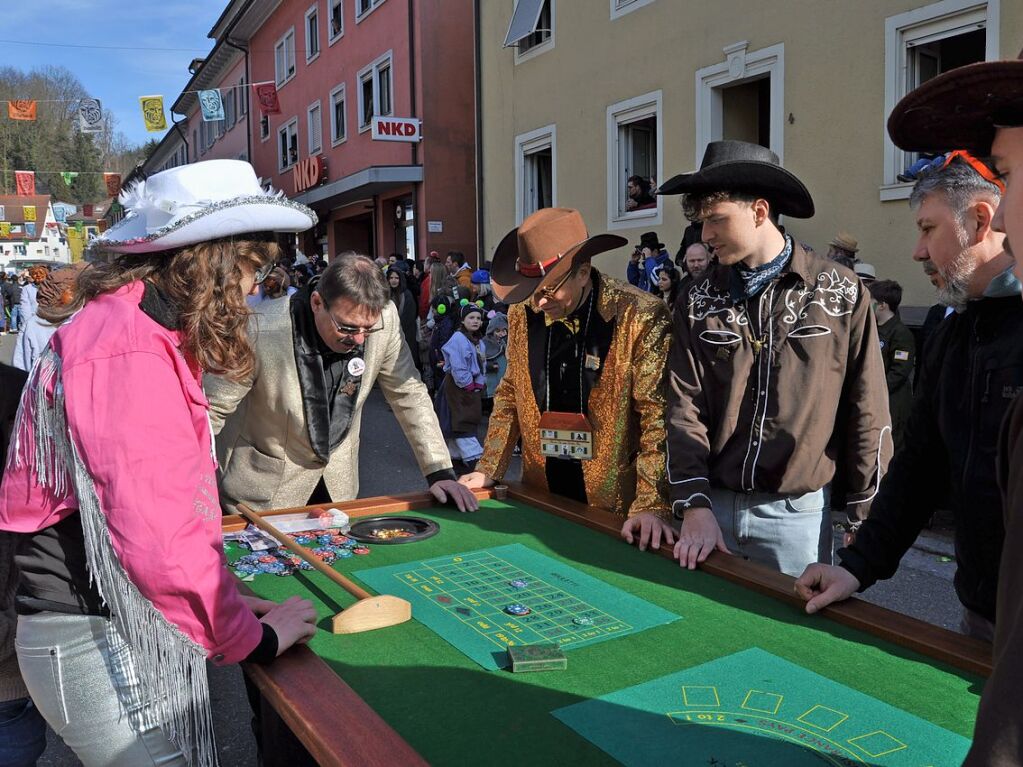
(90, 112)
(25, 180)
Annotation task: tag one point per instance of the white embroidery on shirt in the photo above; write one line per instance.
(833, 293)
(704, 300)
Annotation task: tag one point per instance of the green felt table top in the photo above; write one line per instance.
(452, 710)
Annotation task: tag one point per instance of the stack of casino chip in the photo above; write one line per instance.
(326, 545)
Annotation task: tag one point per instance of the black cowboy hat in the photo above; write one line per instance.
(543, 249)
(738, 166)
(650, 240)
(960, 109)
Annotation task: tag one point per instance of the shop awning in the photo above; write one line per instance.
(361, 185)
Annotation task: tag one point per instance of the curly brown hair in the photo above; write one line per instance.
(204, 283)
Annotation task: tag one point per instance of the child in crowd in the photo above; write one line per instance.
(463, 387)
(495, 347)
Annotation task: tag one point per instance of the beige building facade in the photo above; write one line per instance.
(597, 91)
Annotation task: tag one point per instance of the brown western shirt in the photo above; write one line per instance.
(780, 393)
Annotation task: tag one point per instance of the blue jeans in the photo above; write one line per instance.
(15, 318)
(22, 733)
(786, 533)
(83, 677)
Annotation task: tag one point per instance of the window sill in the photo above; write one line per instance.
(332, 40)
(286, 80)
(366, 127)
(898, 191)
(312, 58)
(535, 51)
(338, 142)
(647, 217)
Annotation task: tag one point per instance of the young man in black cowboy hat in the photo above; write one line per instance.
(584, 387)
(776, 384)
(979, 108)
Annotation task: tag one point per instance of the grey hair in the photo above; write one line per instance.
(357, 278)
(959, 183)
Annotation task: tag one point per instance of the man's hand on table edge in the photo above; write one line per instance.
(457, 493)
(698, 537)
(647, 529)
(821, 585)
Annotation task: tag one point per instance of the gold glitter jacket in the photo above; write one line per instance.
(626, 407)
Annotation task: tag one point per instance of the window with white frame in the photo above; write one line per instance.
(287, 145)
(923, 43)
(634, 139)
(337, 19)
(375, 89)
(264, 127)
(284, 58)
(532, 27)
(362, 7)
(535, 171)
(338, 115)
(315, 124)
(230, 108)
(312, 33)
(622, 7)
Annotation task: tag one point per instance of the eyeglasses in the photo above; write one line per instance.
(985, 172)
(264, 271)
(548, 292)
(350, 330)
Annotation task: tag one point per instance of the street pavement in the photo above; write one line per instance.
(921, 588)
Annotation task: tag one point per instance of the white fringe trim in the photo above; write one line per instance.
(172, 668)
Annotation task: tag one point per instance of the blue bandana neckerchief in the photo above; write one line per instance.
(1002, 286)
(746, 283)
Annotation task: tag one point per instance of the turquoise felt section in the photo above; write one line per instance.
(463, 597)
(752, 707)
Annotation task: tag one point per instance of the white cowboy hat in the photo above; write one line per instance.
(199, 202)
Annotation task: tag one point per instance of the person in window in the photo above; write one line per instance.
(639, 196)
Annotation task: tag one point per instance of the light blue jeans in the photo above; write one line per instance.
(82, 677)
(785, 533)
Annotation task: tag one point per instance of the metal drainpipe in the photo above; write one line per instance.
(248, 103)
(417, 212)
(478, 74)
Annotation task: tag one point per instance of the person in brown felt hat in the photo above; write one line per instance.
(752, 457)
(584, 387)
(979, 108)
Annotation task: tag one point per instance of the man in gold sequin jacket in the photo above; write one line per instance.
(580, 342)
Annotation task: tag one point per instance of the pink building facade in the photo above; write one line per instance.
(337, 63)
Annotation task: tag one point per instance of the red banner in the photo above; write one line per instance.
(21, 110)
(266, 94)
(25, 181)
(87, 210)
(113, 182)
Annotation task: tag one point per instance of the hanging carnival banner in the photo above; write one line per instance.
(212, 105)
(30, 228)
(5, 229)
(3, 212)
(68, 176)
(152, 113)
(113, 182)
(266, 94)
(30, 212)
(25, 180)
(87, 210)
(90, 116)
(21, 110)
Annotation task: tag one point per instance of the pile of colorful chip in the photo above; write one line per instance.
(327, 545)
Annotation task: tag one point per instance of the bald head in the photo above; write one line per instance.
(697, 259)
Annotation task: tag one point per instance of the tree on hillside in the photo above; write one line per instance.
(52, 143)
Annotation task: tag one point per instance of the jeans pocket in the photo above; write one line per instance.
(808, 502)
(44, 676)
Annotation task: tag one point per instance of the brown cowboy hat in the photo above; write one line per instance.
(543, 249)
(960, 109)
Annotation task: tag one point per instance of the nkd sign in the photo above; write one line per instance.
(396, 129)
(310, 172)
